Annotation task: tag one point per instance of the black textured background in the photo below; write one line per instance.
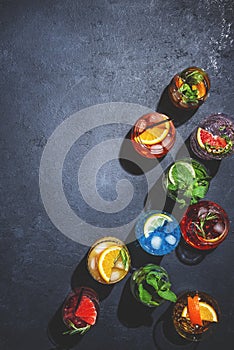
(58, 57)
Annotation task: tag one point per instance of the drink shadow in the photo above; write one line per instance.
(55, 330)
(212, 165)
(165, 335)
(82, 277)
(178, 115)
(138, 256)
(131, 161)
(56, 327)
(132, 313)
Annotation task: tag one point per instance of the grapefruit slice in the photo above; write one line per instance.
(86, 311)
(213, 143)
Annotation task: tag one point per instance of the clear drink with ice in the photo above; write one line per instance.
(108, 260)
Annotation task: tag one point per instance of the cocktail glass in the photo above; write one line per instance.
(186, 181)
(150, 285)
(189, 89)
(194, 315)
(151, 140)
(80, 310)
(108, 260)
(214, 137)
(204, 225)
(157, 232)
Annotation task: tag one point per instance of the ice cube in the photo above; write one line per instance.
(170, 239)
(219, 227)
(202, 211)
(115, 275)
(119, 265)
(92, 263)
(156, 242)
(100, 247)
(156, 149)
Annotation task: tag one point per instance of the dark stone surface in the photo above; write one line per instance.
(59, 57)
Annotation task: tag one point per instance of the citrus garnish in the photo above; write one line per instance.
(212, 143)
(154, 135)
(206, 311)
(154, 221)
(194, 310)
(107, 261)
(86, 311)
(201, 89)
(181, 169)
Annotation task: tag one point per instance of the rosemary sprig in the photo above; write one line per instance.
(124, 257)
(75, 330)
(202, 221)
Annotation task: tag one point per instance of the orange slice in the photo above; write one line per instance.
(194, 310)
(179, 82)
(155, 134)
(206, 311)
(201, 89)
(107, 261)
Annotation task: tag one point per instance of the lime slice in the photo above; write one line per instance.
(181, 170)
(154, 221)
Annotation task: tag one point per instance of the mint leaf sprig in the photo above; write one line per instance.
(74, 330)
(152, 286)
(187, 189)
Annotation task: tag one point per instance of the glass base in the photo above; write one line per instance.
(188, 255)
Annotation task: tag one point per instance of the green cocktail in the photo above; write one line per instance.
(150, 285)
(186, 181)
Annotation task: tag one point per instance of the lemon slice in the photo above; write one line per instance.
(154, 135)
(207, 312)
(181, 167)
(154, 221)
(107, 260)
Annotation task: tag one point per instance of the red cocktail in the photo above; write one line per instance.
(204, 225)
(80, 310)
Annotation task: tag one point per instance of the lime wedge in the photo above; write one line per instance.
(154, 221)
(181, 170)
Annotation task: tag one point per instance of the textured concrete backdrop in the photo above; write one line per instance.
(57, 58)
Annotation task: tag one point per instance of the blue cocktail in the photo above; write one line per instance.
(157, 232)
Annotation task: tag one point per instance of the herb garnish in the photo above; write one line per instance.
(202, 221)
(124, 257)
(74, 330)
(186, 187)
(153, 285)
(188, 88)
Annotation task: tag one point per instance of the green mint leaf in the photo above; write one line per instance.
(151, 279)
(144, 295)
(199, 191)
(168, 295)
(165, 286)
(154, 303)
(172, 187)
